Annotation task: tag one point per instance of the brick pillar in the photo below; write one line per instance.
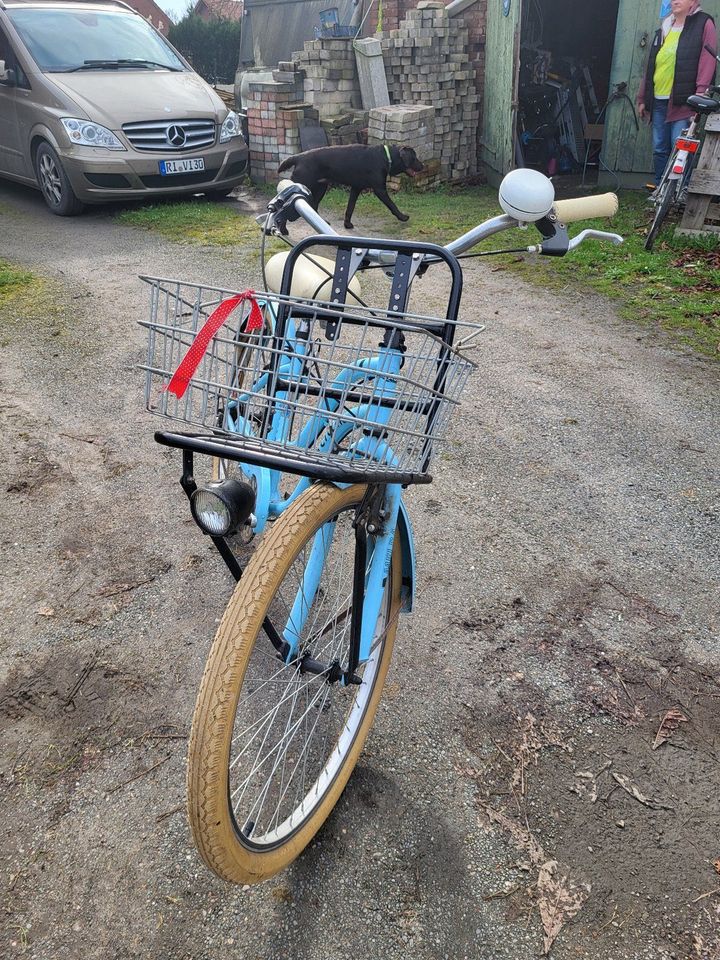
(271, 137)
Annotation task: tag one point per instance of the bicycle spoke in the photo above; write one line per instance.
(275, 750)
(293, 729)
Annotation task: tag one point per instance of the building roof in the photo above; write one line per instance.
(222, 9)
(152, 12)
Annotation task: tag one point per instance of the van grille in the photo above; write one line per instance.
(170, 135)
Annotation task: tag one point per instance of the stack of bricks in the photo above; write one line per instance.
(426, 60)
(411, 125)
(331, 82)
(275, 112)
(349, 127)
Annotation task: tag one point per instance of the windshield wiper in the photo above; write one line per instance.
(117, 64)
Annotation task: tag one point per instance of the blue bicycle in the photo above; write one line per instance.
(317, 410)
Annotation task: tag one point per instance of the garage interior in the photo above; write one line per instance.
(566, 53)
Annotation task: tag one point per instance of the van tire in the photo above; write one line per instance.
(54, 184)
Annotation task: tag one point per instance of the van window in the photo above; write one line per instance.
(66, 40)
(8, 55)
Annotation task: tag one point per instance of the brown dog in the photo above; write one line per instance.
(356, 166)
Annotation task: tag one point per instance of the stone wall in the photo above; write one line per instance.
(474, 16)
(331, 81)
(431, 61)
(426, 62)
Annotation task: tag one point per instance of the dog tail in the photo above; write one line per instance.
(287, 164)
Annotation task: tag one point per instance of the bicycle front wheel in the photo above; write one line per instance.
(663, 208)
(272, 747)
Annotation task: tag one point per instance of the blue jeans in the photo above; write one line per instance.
(664, 136)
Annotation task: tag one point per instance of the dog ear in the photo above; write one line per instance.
(410, 159)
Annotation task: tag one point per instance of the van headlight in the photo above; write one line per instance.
(87, 134)
(230, 127)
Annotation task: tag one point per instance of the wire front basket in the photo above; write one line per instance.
(351, 388)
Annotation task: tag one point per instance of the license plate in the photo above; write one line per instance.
(168, 167)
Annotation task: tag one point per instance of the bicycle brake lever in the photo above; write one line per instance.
(556, 241)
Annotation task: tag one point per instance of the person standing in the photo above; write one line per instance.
(678, 67)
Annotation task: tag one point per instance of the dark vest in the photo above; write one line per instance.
(689, 50)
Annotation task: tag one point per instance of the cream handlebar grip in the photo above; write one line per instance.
(587, 208)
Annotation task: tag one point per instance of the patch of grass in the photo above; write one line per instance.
(677, 286)
(30, 302)
(195, 221)
(13, 279)
(436, 216)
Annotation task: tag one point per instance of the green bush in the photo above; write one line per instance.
(212, 47)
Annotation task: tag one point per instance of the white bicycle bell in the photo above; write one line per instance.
(526, 195)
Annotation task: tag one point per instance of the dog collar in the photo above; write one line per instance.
(386, 148)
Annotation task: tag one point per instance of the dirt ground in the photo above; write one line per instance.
(568, 575)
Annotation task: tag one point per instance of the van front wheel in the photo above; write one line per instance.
(54, 183)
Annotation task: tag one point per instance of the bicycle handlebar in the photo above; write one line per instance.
(613, 238)
(567, 211)
(587, 208)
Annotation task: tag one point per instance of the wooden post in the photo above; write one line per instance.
(702, 211)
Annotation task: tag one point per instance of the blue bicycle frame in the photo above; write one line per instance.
(315, 434)
(323, 433)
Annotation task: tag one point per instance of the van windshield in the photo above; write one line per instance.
(65, 40)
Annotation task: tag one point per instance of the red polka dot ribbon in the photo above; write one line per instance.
(188, 365)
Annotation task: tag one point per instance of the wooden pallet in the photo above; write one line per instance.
(702, 211)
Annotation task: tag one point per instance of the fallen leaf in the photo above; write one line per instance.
(632, 788)
(670, 722)
(559, 899)
(522, 837)
(282, 895)
(46, 611)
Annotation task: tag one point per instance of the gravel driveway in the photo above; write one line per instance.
(567, 600)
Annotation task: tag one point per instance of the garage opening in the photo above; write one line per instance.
(566, 52)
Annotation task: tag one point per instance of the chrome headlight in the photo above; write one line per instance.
(230, 127)
(87, 134)
(220, 508)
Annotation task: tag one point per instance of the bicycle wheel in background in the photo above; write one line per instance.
(271, 748)
(663, 206)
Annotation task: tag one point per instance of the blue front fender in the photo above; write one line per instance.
(407, 543)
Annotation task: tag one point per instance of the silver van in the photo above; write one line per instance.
(96, 105)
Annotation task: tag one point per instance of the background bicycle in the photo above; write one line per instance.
(672, 190)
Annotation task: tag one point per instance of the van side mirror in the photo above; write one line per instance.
(7, 76)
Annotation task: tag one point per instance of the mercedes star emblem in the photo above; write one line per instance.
(175, 136)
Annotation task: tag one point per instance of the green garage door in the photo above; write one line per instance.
(627, 150)
(502, 64)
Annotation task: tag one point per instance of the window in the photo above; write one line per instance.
(71, 39)
(8, 55)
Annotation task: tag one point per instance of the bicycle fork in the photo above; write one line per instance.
(374, 526)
